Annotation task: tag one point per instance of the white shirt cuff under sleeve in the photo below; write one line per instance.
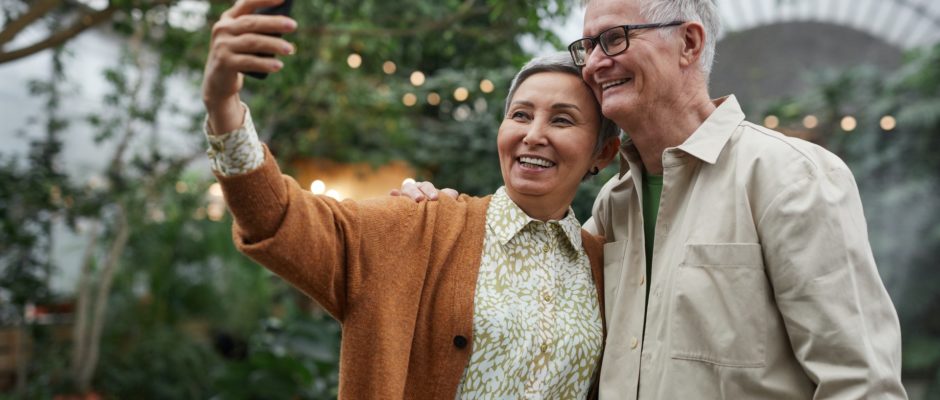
(236, 152)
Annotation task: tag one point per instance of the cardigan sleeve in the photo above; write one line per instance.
(314, 242)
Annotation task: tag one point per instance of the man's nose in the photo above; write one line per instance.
(595, 60)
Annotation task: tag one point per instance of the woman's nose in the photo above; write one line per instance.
(535, 135)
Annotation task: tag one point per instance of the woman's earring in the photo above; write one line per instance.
(594, 170)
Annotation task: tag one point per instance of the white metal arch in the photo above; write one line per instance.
(903, 23)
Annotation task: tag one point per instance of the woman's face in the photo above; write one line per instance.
(546, 142)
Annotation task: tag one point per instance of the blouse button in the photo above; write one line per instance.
(460, 341)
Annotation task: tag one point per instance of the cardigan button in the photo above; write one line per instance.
(460, 341)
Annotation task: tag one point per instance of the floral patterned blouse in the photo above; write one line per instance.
(537, 331)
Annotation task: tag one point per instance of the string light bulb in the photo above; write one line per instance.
(771, 121)
(810, 121)
(354, 61)
(486, 86)
(389, 67)
(417, 78)
(848, 123)
(409, 99)
(888, 123)
(461, 93)
(317, 187)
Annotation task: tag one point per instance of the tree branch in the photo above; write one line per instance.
(39, 9)
(60, 37)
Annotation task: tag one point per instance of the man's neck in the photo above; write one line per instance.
(665, 126)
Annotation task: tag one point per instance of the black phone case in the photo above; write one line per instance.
(281, 9)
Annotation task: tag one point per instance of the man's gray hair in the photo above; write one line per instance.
(703, 11)
(561, 62)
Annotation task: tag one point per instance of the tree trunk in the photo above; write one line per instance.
(79, 329)
(112, 263)
(22, 344)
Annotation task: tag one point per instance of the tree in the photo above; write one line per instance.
(22, 14)
(138, 289)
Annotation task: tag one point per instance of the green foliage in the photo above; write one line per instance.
(898, 173)
(32, 196)
(296, 358)
(183, 297)
(316, 105)
(157, 363)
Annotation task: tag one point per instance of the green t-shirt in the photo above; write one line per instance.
(652, 190)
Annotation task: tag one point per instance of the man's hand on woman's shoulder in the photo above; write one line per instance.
(421, 191)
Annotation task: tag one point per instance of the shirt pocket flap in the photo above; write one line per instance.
(724, 254)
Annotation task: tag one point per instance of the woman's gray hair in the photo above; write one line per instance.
(561, 62)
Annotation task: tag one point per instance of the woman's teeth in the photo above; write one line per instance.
(536, 162)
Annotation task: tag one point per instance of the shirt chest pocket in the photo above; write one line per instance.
(721, 304)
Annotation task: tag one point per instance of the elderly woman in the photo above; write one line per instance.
(493, 297)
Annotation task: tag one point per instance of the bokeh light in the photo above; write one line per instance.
(461, 93)
(354, 61)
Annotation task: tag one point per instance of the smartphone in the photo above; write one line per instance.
(281, 9)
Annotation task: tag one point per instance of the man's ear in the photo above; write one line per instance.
(607, 153)
(693, 43)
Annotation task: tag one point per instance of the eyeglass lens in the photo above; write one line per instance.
(613, 41)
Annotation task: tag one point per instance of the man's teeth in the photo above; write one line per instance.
(611, 84)
(536, 162)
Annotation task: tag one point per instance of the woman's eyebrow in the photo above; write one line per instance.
(562, 106)
(565, 106)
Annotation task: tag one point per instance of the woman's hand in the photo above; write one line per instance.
(237, 40)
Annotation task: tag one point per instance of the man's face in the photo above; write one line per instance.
(639, 79)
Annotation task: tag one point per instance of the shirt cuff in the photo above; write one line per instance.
(236, 152)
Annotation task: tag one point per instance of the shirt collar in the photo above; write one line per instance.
(506, 220)
(706, 142)
(710, 138)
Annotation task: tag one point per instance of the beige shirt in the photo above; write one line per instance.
(763, 282)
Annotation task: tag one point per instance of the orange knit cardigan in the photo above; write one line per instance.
(398, 275)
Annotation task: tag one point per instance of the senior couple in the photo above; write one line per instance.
(724, 261)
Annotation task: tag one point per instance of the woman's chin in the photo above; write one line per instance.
(531, 187)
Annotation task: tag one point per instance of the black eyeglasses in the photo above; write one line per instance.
(613, 41)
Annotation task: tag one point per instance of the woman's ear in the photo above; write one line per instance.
(607, 153)
(693, 43)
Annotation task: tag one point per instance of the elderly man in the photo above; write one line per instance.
(737, 264)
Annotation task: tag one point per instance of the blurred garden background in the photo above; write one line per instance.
(118, 278)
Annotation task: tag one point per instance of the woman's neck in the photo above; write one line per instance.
(540, 208)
